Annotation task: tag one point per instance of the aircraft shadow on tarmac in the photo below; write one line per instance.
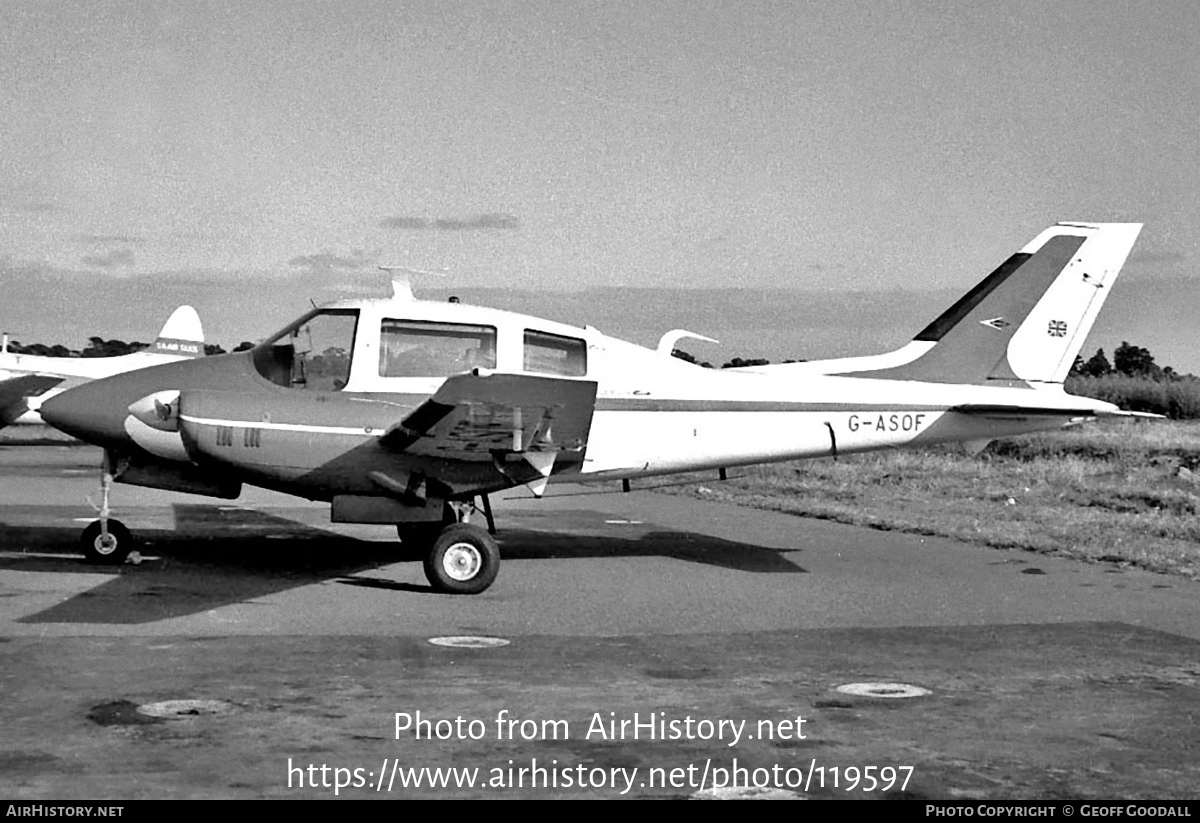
(216, 557)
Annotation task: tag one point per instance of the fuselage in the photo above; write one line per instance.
(304, 411)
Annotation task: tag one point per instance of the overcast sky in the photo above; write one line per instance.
(825, 145)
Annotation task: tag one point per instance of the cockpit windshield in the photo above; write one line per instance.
(313, 353)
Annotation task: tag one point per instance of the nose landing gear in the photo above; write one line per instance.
(106, 540)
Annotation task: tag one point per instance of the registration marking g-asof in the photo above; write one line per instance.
(888, 422)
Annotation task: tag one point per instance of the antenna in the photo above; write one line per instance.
(402, 279)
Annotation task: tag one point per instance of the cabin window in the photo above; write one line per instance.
(547, 353)
(313, 353)
(411, 348)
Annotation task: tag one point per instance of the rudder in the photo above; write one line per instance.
(182, 335)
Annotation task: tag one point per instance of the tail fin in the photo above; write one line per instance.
(182, 335)
(1026, 321)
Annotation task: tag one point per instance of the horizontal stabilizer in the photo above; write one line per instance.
(666, 343)
(1020, 412)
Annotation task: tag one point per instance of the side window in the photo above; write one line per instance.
(547, 353)
(410, 348)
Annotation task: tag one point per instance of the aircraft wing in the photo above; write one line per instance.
(14, 390)
(474, 417)
(26, 385)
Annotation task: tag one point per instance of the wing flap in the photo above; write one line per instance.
(472, 417)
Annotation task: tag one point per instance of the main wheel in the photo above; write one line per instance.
(417, 539)
(111, 550)
(464, 560)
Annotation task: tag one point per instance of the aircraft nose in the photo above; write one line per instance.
(94, 412)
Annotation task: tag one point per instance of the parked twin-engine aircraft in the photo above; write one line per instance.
(28, 380)
(405, 411)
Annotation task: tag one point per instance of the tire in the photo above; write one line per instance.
(464, 560)
(111, 552)
(417, 539)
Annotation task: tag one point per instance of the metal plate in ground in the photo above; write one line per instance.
(747, 793)
(469, 642)
(888, 690)
(184, 708)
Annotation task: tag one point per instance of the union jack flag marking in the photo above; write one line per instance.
(1057, 328)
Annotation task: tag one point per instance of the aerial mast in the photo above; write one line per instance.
(402, 279)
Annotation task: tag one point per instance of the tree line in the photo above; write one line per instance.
(1134, 382)
(1129, 360)
(99, 347)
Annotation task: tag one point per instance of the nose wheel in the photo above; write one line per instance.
(106, 540)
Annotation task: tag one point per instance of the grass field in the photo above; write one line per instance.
(1124, 492)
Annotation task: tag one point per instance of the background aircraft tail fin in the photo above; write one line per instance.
(1026, 321)
(181, 335)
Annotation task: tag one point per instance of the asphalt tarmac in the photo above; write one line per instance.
(286, 656)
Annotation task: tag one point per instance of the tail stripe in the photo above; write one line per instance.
(948, 319)
(973, 336)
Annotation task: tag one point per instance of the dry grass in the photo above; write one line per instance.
(1125, 492)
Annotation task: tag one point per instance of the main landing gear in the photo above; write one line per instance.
(460, 557)
(106, 540)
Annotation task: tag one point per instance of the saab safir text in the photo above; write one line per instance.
(896, 422)
(177, 346)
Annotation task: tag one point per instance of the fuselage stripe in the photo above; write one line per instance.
(361, 431)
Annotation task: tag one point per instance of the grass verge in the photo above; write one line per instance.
(1125, 492)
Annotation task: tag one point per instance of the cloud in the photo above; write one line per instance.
(410, 223)
(114, 258)
(23, 268)
(13, 205)
(109, 238)
(326, 262)
(480, 221)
